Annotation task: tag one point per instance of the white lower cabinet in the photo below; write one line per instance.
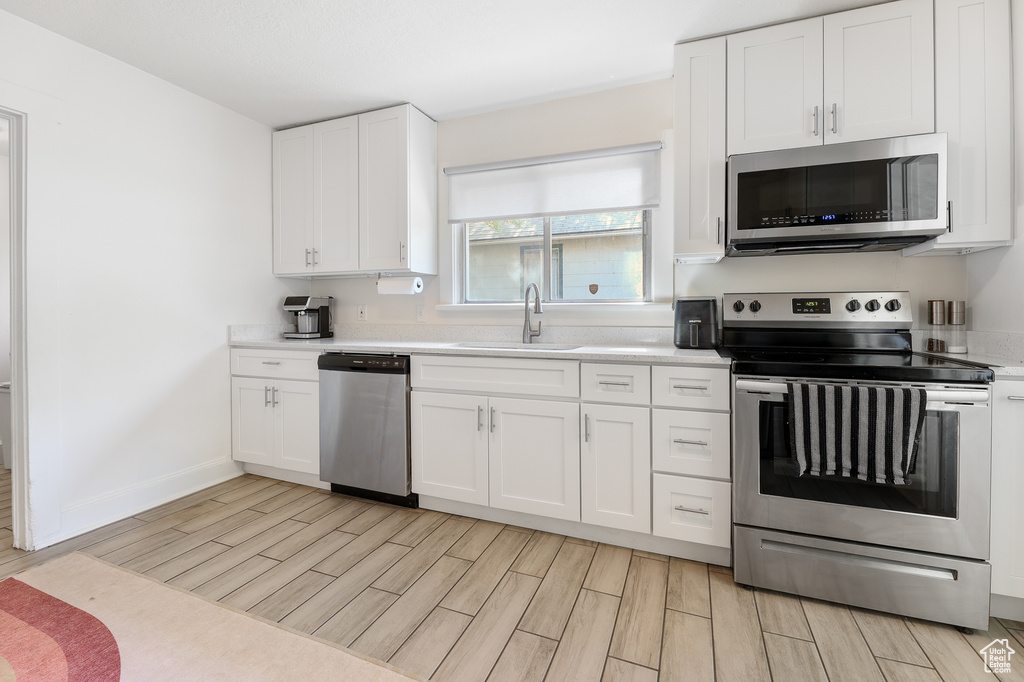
(1007, 553)
(693, 509)
(449, 446)
(615, 467)
(534, 457)
(691, 443)
(276, 422)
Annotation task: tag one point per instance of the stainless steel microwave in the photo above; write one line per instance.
(875, 195)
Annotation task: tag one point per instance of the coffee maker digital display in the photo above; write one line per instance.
(312, 316)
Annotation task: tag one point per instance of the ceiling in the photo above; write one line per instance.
(285, 62)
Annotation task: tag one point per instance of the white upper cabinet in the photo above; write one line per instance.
(973, 106)
(857, 75)
(699, 150)
(357, 194)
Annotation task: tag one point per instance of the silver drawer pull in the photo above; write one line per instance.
(614, 383)
(479, 417)
(705, 512)
(1015, 397)
(266, 396)
(690, 388)
(271, 362)
(702, 443)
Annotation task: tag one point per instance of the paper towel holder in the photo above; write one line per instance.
(387, 284)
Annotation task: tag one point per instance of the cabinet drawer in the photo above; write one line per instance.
(692, 509)
(629, 384)
(691, 443)
(282, 364)
(550, 378)
(702, 388)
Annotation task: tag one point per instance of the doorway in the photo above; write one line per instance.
(6, 172)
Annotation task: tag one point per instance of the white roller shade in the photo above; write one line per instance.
(617, 179)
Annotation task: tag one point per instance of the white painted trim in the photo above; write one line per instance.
(720, 556)
(105, 509)
(297, 477)
(1011, 608)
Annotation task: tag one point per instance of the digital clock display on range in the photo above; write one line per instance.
(812, 306)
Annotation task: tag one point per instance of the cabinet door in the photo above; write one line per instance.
(879, 72)
(296, 406)
(449, 446)
(336, 195)
(252, 421)
(293, 201)
(1007, 483)
(534, 454)
(699, 141)
(775, 87)
(384, 189)
(615, 467)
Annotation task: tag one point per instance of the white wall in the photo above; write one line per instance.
(637, 113)
(5, 265)
(148, 233)
(995, 277)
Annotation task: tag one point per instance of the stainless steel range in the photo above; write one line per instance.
(861, 468)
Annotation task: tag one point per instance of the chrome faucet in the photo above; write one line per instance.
(529, 333)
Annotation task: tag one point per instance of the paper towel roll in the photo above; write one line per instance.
(400, 285)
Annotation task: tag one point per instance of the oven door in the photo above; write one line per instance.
(945, 508)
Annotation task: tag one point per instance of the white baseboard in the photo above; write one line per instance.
(312, 480)
(1007, 607)
(120, 504)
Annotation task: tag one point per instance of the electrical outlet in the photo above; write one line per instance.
(421, 313)
(361, 312)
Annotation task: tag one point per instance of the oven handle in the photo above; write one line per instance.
(943, 395)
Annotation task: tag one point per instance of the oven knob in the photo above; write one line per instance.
(853, 306)
(754, 306)
(872, 305)
(738, 306)
(892, 306)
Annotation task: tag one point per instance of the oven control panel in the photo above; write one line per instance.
(842, 310)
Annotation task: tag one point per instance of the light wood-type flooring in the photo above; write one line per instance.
(453, 598)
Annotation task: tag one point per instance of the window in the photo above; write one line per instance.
(577, 225)
(591, 257)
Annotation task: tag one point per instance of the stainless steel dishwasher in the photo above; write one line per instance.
(364, 426)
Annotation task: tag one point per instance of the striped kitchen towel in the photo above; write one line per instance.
(870, 433)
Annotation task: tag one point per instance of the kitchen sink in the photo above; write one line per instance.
(488, 345)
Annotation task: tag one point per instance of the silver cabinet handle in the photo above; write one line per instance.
(718, 238)
(705, 512)
(307, 258)
(614, 383)
(1015, 397)
(273, 397)
(814, 118)
(271, 362)
(266, 396)
(586, 428)
(492, 420)
(702, 443)
(401, 252)
(315, 261)
(835, 128)
(691, 388)
(479, 417)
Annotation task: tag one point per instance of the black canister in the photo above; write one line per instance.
(697, 323)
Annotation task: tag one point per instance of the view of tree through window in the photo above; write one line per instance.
(593, 257)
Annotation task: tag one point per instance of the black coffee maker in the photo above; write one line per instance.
(312, 316)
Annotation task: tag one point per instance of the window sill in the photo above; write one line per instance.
(601, 314)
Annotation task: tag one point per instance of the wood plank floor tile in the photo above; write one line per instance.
(252, 488)
(476, 652)
(285, 600)
(734, 621)
(889, 637)
(315, 612)
(793, 659)
(486, 572)
(608, 570)
(583, 649)
(187, 561)
(540, 551)
(687, 652)
(896, 671)
(782, 614)
(159, 555)
(843, 650)
(192, 500)
(211, 568)
(471, 545)
(420, 529)
(637, 636)
(383, 638)
(229, 509)
(321, 509)
(581, 541)
(431, 642)
(688, 588)
(949, 653)
(525, 659)
(259, 589)
(371, 517)
(269, 520)
(146, 544)
(650, 555)
(314, 531)
(286, 498)
(550, 609)
(714, 568)
(232, 579)
(358, 615)
(980, 639)
(22, 560)
(142, 530)
(408, 570)
(360, 548)
(1018, 635)
(617, 670)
